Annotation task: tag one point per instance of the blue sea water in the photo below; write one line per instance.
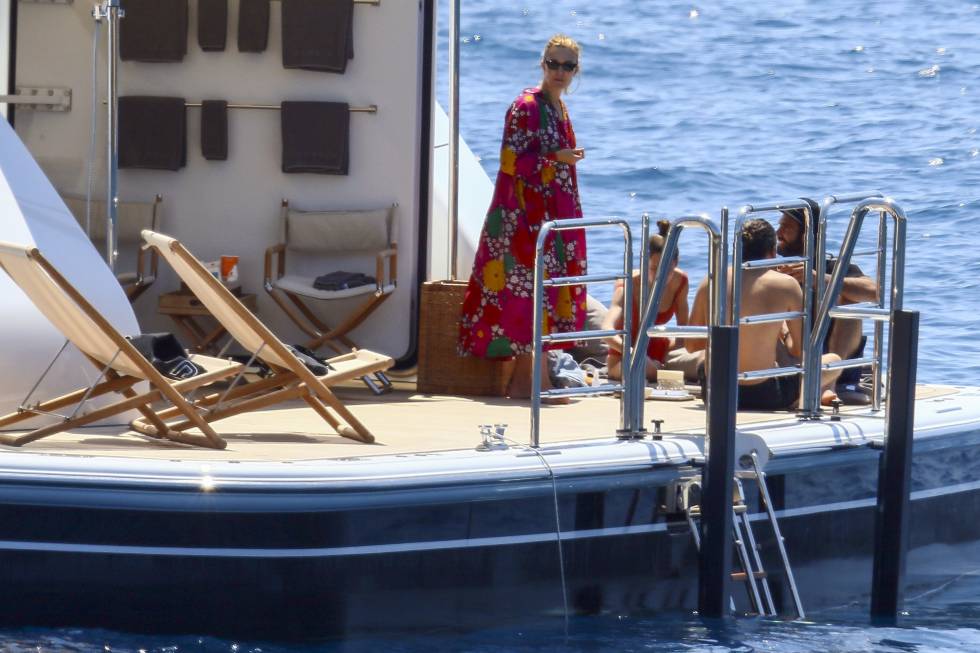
(685, 107)
(688, 107)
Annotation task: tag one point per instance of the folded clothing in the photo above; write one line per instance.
(214, 130)
(152, 132)
(341, 280)
(314, 363)
(212, 24)
(166, 354)
(317, 34)
(315, 137)
(253, 25)
(153, 31)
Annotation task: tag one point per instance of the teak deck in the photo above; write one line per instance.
(403, 422)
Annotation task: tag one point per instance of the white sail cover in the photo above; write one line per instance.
(32, 213)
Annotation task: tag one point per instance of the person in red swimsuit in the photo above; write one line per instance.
(673, 304)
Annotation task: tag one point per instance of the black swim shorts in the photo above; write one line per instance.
(779, 393)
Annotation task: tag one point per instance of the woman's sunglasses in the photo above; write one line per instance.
(567, 66)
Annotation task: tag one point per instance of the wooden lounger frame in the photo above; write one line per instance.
(161, 388)
(290, 378)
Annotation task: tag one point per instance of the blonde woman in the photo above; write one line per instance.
(536, 183)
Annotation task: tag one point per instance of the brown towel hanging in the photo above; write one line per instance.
(253, 25)
(316, 137)
(214, 130)
(152, 132)
(212, 24)
(153, 31)
(317, 34)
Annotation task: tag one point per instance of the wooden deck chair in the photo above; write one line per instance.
(133, 218)
(122, 365)
(327, 235)
(290, 378)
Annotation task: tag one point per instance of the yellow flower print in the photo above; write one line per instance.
(564, 304)
(493, 275)
(547, 174)
(508, 161)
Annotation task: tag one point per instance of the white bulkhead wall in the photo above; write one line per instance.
(232, 207)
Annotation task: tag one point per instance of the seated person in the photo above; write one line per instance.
(844, 337)
(764, 291)
(592, 351)
(673, 304)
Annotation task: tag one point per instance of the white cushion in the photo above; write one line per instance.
(339, 231)
(304, 286)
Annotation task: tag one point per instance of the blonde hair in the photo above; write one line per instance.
(561, 41)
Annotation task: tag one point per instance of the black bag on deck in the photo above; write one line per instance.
(166, 354)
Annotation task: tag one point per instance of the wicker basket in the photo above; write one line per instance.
(441, 370)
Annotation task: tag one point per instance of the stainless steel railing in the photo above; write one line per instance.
(747, 213)
(540, 283)
(880, 311)
(634, 375)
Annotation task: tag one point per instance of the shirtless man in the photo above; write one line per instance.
(764, 291)
(844, 336)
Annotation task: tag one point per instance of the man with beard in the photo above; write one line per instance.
(844, 337)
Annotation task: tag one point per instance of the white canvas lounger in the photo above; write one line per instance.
(290, 378)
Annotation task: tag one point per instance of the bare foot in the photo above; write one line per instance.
(828, 397)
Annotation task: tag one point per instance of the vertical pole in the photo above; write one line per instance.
(715, 563)
(879, 327)
(537, 332)
(112, 14)
(892, 514)
(453, 137)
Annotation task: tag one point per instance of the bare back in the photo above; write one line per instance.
(763, 291)
(766, 292)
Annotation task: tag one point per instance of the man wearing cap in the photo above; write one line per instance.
(844, 337)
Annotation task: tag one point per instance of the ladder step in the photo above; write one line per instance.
(741, 576)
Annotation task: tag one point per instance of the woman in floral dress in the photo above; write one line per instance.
(536, 183)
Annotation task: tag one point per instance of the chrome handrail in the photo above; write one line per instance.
(812, 353)
(828, 308)
(748, 212)
(634, 375)
(539, 338)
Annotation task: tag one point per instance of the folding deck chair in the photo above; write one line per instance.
(290, 378)
(326, 235)
(121, 365)
(134, 217)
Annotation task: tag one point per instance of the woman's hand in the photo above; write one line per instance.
(570, 156)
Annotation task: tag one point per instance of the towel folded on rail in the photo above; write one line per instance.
(253, 25)
(212, 24)
(214, 130)
(316, 137)
(317, 34)
(152, 132)
(341, 280)
(153, 31)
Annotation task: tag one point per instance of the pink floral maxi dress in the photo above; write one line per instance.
(532, 187)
